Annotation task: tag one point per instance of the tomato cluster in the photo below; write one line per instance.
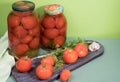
(24, 33)
(70, 55)
(45, 69)
(53, 30)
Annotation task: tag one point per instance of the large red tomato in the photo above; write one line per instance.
(23, 64)
(70, 56)
(44, 71)
(81, 49)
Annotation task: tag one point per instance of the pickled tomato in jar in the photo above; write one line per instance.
(23, 29)
(54, 27)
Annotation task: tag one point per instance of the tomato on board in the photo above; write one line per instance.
(81, 49)
(65, 75)
(48, 60)
(23, 64)
(44, 71)
(70, 56)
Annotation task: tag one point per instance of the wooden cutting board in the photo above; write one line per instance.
(31, 76)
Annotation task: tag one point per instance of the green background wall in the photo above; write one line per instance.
(86, 18)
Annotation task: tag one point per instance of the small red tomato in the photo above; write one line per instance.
(60, 21)
(48, 22)
(29, 22)
(51, 33)
(13, 39)
(21, 49)
(65, 75)
(35, 43)
(48, 60)
(62, 31)
(13, 20)
(81, 49)
(44, 71)
(45, 41)
(20, 32)
(59, 41)
(26, 39)
(70, 56)
(23, 64)
(34, 31)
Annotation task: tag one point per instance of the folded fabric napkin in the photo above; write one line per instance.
(6, 60)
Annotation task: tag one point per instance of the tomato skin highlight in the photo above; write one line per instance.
(81, 49)
(23, 64)
(70, 56)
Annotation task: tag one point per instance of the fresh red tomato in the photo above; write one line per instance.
(23, 64)
(81, 49)
(65, 75)
(70, 56)
(44, 71)
(48, 60)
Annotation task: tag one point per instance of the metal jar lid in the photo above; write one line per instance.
(53, 9)
(23, 6)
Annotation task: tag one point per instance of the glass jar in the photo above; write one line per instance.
(54, 27)
(23, 29)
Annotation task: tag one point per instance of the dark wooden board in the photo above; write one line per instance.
(31, 76)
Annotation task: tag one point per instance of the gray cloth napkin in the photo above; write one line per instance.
(6, 60)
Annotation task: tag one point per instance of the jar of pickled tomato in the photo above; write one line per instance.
(53, 27)
(23, 29)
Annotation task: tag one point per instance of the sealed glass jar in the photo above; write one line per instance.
(54, 27)
(23, 29)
